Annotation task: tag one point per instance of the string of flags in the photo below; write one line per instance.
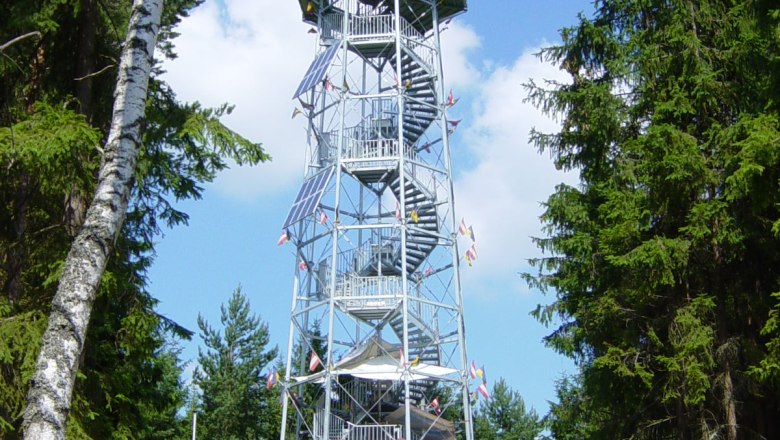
(482, 389)
(471, 252)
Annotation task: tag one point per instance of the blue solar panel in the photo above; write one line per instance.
(316, 72)
(308, 197)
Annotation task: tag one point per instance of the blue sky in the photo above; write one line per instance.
(252, 53)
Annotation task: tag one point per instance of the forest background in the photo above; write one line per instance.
(664, 255)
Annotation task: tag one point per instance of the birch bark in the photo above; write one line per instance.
(51, 387)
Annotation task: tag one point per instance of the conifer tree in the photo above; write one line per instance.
(663, 260)
(234, 401)
(504, 416)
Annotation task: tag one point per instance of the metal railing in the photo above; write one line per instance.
(374, 432)
(365, 27)
(369, 292)
(337, 427)
(365, 147)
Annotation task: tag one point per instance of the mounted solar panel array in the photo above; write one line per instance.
(308, 197)
(316, 72)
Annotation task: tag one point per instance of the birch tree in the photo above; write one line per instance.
(63, 341)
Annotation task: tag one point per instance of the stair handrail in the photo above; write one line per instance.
(336, 427)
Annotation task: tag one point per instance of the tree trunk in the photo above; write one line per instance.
(729, 403)
(48, 400)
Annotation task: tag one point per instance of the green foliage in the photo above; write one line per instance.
(505, 417)
(573, 417)
(19, 341)
(663, 260)
(234, 404)
(52, 127)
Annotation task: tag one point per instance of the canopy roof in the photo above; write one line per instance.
(377, 359)
(415, 12)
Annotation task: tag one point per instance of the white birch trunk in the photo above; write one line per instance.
(51, 387)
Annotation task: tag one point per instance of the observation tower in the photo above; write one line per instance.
(376, 348)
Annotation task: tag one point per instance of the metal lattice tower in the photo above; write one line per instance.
(377, 293)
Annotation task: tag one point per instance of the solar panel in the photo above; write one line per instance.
(308, 197)
(316, 72)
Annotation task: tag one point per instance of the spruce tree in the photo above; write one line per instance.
(664, 259)
(234, 401)
(504, 416)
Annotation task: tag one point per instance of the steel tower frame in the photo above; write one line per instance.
(376, 297)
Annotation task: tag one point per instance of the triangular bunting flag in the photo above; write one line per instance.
(314, 361)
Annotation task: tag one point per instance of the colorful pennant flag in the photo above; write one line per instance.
(484, 374)
(271, 381)
(296, 112)
(284, 238)
(306, 105)
(397, 211)
(463, 230)
(468, 260)
(328, 85)
(310, 7)
(303, 266)
(472, 252)
(314, 361)
(323, 216)
(414, 216)
(482, 389)
(402, 359)
(408, 84)
(473, 370)
(453, 126)
(481, 373)
(427, 272)
(470, 232)
(435, 402)
(451, 100)
(415, 362)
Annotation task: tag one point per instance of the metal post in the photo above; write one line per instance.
(194, 424)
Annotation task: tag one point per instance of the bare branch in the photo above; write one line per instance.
(94, 73)
(13, 41)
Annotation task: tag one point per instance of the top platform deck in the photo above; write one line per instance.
(416, 12)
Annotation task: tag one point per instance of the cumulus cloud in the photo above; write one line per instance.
(459, 42)
(253, 53)
(501, 193)
(239, 52)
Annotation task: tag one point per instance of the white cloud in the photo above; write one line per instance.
(501, 194)
(251, 53)
(457, 43)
